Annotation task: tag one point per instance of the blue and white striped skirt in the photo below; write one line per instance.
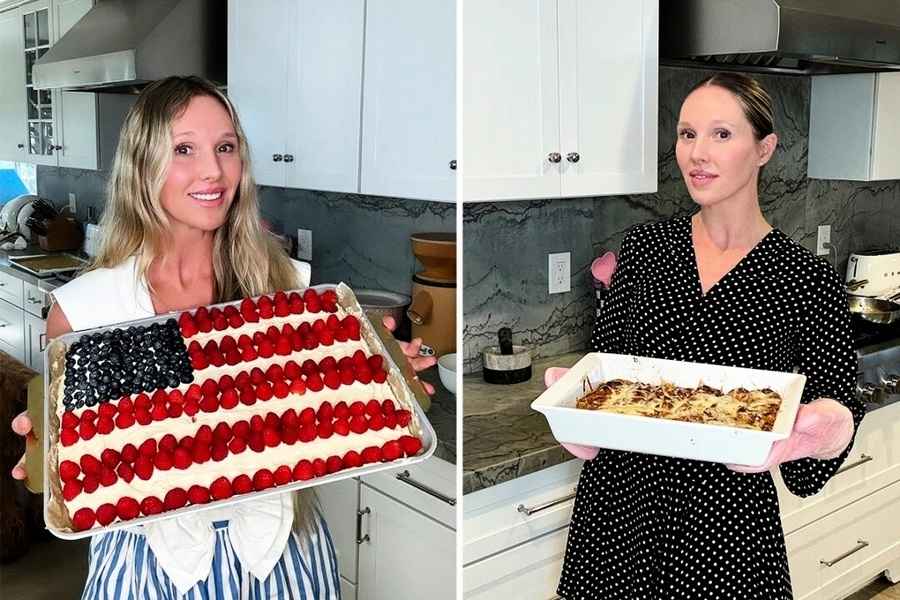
(122, 566)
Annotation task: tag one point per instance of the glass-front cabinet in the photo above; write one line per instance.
(36, 29)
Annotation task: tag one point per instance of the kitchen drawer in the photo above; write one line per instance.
(527, 572)
(873, 463)
(405, 484)
(10, 288)
(33, 299)
(12, 330)
(497, 518)
(873, 521)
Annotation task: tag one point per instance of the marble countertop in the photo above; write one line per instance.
(442, 416)
(502, 437)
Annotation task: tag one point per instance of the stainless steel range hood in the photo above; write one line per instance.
(808, 37)
(120, 45)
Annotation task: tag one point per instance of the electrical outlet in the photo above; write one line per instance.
(823, 240)
(560, 270)
(72, 204)
(304, 244)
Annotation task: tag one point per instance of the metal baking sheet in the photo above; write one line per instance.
(698, 441)
(55, 513)
(30, 262)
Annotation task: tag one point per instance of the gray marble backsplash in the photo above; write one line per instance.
(361, 240)
(506, 243)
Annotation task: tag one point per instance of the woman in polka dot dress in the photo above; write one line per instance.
(720, 287)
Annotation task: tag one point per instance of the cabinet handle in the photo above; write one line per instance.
(288, 158)
(359, 515)
(33, 300)
(863, 459)
(20, 146)
(453, 165)
(2, 284)
(42, 341)
(57, 147)
(276, 157)
(860, 544)
(3, 324)
(405, 478)
(554, 157)
(530, 510)
(573, 157)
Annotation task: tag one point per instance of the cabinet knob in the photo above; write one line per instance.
(453, 165)
(57, 147)
(20, 146)
(554, 157)
(276, 157)
(573, 157)
(288, 158)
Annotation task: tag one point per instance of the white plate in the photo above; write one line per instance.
(698, 441)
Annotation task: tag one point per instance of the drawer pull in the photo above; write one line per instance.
(860, 544)
(42, 341)
(359, 515)
(530, 510)
(405, 478)
(863, 459)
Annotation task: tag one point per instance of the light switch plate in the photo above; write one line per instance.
(72, 203)
(304, 244)
(823, 239)
(560, 272)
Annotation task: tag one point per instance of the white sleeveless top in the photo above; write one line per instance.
(184, 545)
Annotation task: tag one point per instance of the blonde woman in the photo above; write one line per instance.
(183, 230)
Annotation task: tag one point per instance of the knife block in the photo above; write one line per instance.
(63, 233)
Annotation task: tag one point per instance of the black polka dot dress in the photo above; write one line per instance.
(649, 527)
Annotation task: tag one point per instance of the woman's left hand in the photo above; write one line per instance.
(822, 430)
(411, 350)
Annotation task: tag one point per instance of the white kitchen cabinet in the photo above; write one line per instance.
(858, 144)
(407, 555)
(47, 127)
(560, 98)
(35, 339)
(409, 100)
(295, 75)
(12, 331)
(339, 502)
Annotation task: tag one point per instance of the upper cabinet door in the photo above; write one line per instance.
(325, 89)
(608, 74)
(409, 99)
(41, 105)
(260, 41)
(76, 112)
(12, 94)
(510, 100)
(886, 128)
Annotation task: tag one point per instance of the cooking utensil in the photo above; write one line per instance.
(875, 310)
(383, 303)
(506, 363)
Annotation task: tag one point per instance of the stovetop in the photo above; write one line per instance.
(866, 333)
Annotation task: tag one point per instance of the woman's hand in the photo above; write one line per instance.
(551, 376)
(21, 425)
(411, 350)
(822, 430)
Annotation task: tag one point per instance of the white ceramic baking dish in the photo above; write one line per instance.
(698, 441)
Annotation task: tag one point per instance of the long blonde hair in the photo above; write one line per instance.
(247, 261)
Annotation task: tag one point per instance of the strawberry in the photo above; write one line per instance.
(289, 419)
(329, 296)
(298, 386)
(376, 362)
(358, 408)
(307, 433)
(201, 453)
(358, 424)
(340, 335)
(182, 458)
(125, 405)
(309, 367)
(241, 429)
(273, 333)
(314, 382)
(222, 432)
(209, 404)
(191, 407)
(280, 389)
(90, 483)
(142, 416)
(280, 297)
(204, 434)
(282, 310)
(307, 416)
(187, 442)
(332, 379)
(263, 479)
(289, 436)
(303, 471)
(69, 420)
(390, 420)
(163, 460)
(391, 451)
(310, 342)
(256, 442)
(209, 387)
(313, 305)
(387, 407)
(107, 409)
(199, 361)
(148, 448)
(219, 451)
(168, 442)
(376, 422)
(248, 396)
(220, 489)
(282, 474)
(129, 453)
(264, 391)
(347, 377)
(83, 519)
(248, 354)
(175, 498)
(226, 382)
(219, 322)
(237, 445)
(325, 412)
(197, 494)
(71, 489)
(69, 470)
(242, 484)
(143, 468)
(194, 346)
(204, 325)
(108, 457)
(334, 464)
(232, 357)
(105, 425)
(292, 370)
(410, 445)
(265, 307)
(186, 325)
(159, 412)
(257, 376)
(125, 472)
(352, 459)
(363, 375)
(217, 359)
(235, 321)
(324, 429)
(230, 310)
(403, 417)
(174, 410)
(194, 392)
(287, 330)
(159, 397)
(379, 376)
(229, 399)
(351, 324)
(86, 430)
(295, 303)
(271, 437)
(319, 467)
(90, 465)
(106, 514)
(201, 313)
(265, 349)
(283, 346)
(127, 508)
(310, 294)
(373, 407)
(371, 454)
(257, 423)
(341, 426)
(151, 505)
(124, 420)
(226, 344)
(326, 338)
